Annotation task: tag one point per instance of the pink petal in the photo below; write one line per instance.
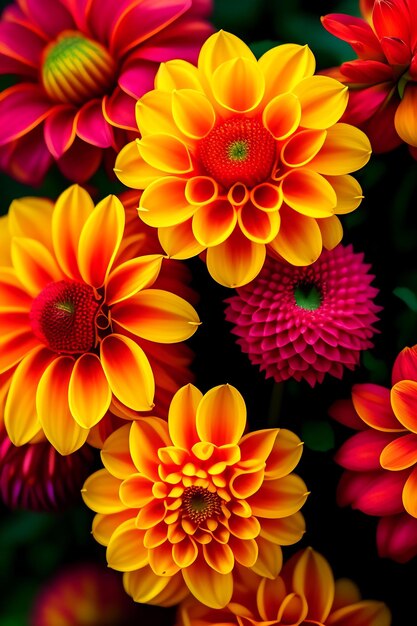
(49, 15)
(59, 130)
(344, 412)
(384, 495)
(137, 78)
(142, 20)
(103, 15)
(183, 38)
(92, 127)
(79, 10)
(361, 452)
(396, 537)
(119, 110)
(372, 403)
(20, 44)
(405, 365)
(13, 66)
(28, 159)
(80, 162)
(22, 107)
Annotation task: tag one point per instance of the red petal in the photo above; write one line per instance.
(59, 130)
(405, 365)
(361, 452)
(22, 108)
(119, 110)
(372, 403)
(356, 32)
(80, 162)
(396, 537)
(92, 127)
(28, 159)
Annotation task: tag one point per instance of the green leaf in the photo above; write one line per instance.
(406, 295)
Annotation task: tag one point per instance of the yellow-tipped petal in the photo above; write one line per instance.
(221, 416)
(238, 85)
(193, 113)
(309, 193)
(132, 170)
(89, 394)
(177, 74)
(331, 231)
(132, 276)
(34, 264)
(31, 217)
(101, 493)
(323, 101)
(104, 525)
(115, 453)
(282, 115)
(207, 585)
(312, 566)
(345, 149)
(348, 192)
(182, 416)
(219, 48)
(166, 153)
(269, 561)
(213, 223)
(284, 66)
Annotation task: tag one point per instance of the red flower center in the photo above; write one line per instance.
(199, 503)
(63, 316)
(238, 150)
(76, 69)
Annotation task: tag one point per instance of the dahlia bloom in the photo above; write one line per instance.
(239, 155)
(380, 460)
(382, 81)
(84, 594)
(76, 305)
(305, 592)
(304, 322)
(180, 503)
(80, 68)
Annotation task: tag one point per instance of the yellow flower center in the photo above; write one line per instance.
(63, 317)
(76, 69)
(238, 150)
(199, 504)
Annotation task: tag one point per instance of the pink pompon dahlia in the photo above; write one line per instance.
(381, 459)
(80, 67)
(382, 81)
(304, 322)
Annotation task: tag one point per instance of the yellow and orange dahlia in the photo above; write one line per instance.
(239, 157)
(78, 309)
(180, 503)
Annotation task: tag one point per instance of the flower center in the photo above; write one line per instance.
(307, 296)
(239, 150)
(76, 69)
(63, 316)
(199, 503)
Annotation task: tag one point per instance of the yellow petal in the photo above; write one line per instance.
(163, 203)
(279, 497)
(72, 209)
(221, 416)
(269, 561)
(179, 242)
(406, 116)
(126, 551)
(182, 416)
(5, 240)
(282, 115)
(147, 435)
(309, 193)
(284, 531)
(166, 153)
(238, 85)
(154, 113)
(146, 587)
(132, 276)
(193, 113)
(115, 453)
(207, 585)
(157, 315)
(348, 192)
(31, 217)
(177, 74)
(132, 170)
(284, 66)
(219, 48)
(101, 493)
(323, 101)
(104, 525)
(331, 231)
(34, 264)
(53, 409)
(345, 149)
(299, 239)
(100, 240)
(89, 394)
(128, 372)
(312, 566)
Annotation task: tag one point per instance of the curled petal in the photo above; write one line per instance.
(213, 224)
(258, 225)
(164, 203)
(221, 416)
(282, 115)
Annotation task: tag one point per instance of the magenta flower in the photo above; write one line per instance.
(304, 322)
(80, 66)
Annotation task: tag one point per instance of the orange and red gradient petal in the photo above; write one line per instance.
(126, 551)
(34, 264)
(282, 115)
(179, 242)
(115, 453)
(221, 416)
(101, 493)
(400, 453)
(20, 418)
(128, 372)
(257, 446)
(53, 408)
(299, 240)
(404, 403)
(147, 435)
(213, 223)
(146, 587)
(89, 393)
(157, 315)
(12, 295)
(285, 66)
(309, 193)
(372, 404)
(238, 85)
(409, 494)
(258, 225)
(163, 203)
(182, 417)
(406, 117)
(279, 498)
(104, 225)
(132, 276)
(207, 585)
(285, 531)
(14, 346)
(236, 261)
(71, 211)
(136, 492)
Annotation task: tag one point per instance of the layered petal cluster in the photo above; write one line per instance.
(79, 310)
(306, 322)
(80, 66)
(238, 156)
(380, 460)
(305, 592)
(382, 81)
(85, 594)
(180, 503)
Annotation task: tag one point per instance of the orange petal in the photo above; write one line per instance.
(236, 261)
(346, 592)
(152, 513)
(285, 531)
(309, 193)
(72, 209)
(323, 101)
(126, 551)
(238, 85)
(146, 587)
(331, 231)
(269, 561)
(257, 225)
(147, 435)
(179, 241)
(89, 394)
(20, 417)
(244, 483)
(266, 197)
(128, 372)
(53, 409)
(302, 147)
(185, 552)
(400, 453)
(136, 491)
(31, 217)
(14, 346)
(255, 447)
(221, 416)
(219, 48)
(310, 565)
(409, 494)
(219, 557)
(201, 190)
(182, 416)
(115, 453)
(105, 224)
(34, 264)
(404, 403)
(166, 153)
(282, 115)
(372, 404)
(285, 454)
(161, 561)
(132, 170)
(279, 497)
(367, 612)
(244, 528)
(132, 276)
(245, 552)
(345, 149)
(299, 239)
(193, 113)
(104, 525)
(207, 585)
(101, 493)
(405, 119)
(163, 203)
(157, 315)
(213, 223)
(284, 66)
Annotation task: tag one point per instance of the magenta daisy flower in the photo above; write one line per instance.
(305, 322)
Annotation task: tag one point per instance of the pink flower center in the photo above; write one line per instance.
(63, 317)
(199, 504)
(76, 69)
(238, 150)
